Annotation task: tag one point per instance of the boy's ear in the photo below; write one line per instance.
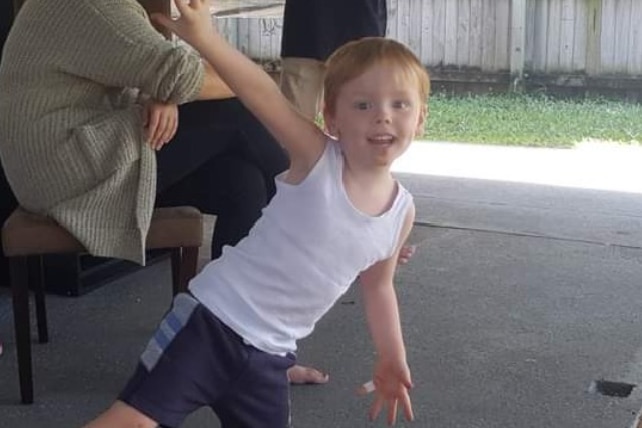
(423, 115)
(329, 123)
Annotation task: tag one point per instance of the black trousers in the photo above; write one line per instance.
(222, 161)
(8, 203)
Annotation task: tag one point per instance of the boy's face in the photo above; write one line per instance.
(376, 116)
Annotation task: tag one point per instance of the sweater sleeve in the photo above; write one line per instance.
(112, 42)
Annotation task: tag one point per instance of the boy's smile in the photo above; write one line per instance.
(376, 116)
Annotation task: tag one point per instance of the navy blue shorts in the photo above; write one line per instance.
(194, 360)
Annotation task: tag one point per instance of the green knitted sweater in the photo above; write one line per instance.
(71, 132)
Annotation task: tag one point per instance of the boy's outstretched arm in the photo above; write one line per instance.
(391, 373)
(303, 140)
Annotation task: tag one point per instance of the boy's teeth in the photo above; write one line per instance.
(382, 139)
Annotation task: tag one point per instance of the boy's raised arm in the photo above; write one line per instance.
(303, 140)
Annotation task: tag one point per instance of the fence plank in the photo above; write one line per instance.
(517, 39)
(439, 42)
(475, 34)
(414, 24)
(567, 34)
(391, 30)
(553, 47)
(502, 35)
(531, 10)
(488, 36)
(540, 35)
(403, 21)
(450, 22)
(623, 31)
(635, 47)
(581, 32)
(427, 32)
(463, 33)
(594, 37)
(607, 42)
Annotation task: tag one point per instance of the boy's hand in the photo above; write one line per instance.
(391, 384)
(160, 122)
(194, 24)
(406, 253)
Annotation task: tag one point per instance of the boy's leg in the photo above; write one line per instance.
(189, 363)
(122, 415)
(302, 83)
(260, 397)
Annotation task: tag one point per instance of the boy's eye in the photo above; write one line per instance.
(362, 105)
(401, 104)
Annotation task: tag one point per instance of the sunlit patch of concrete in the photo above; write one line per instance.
(590, 165)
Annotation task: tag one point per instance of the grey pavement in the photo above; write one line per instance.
(524, 291)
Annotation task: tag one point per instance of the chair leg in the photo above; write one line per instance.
(184, 264)
(36, 278)
(22, 325)
(188, 266)
(176, 270)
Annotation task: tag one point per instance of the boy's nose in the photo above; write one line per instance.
(383, 115)
(384, 119)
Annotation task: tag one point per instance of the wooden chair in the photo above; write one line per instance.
(26, 237)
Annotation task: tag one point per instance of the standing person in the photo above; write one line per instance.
(338, 214)
(312, 30)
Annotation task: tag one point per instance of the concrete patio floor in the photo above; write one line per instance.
(520, 297)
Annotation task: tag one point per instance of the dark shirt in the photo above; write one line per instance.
(6, 18)
(315, 28)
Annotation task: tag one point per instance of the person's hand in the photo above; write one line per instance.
(160, 122)
(390, 385)
(406, 253)
(194, 25)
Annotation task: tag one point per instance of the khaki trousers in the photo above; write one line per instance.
(302, 83)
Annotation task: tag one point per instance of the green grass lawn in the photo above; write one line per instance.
(532, 120)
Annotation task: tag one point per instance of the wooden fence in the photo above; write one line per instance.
(565, 43)
(593, 36)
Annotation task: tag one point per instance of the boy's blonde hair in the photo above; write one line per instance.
(355, 57)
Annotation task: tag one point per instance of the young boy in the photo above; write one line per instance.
(338, 214)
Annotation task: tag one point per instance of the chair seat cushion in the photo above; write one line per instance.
(173, 227)
(25, 233)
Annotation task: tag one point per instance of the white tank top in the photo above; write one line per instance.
(302, 254)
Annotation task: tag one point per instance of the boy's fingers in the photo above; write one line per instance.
(407, 382)
(181, 5)
(375, 409)
(392, 411)
(407, 408)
